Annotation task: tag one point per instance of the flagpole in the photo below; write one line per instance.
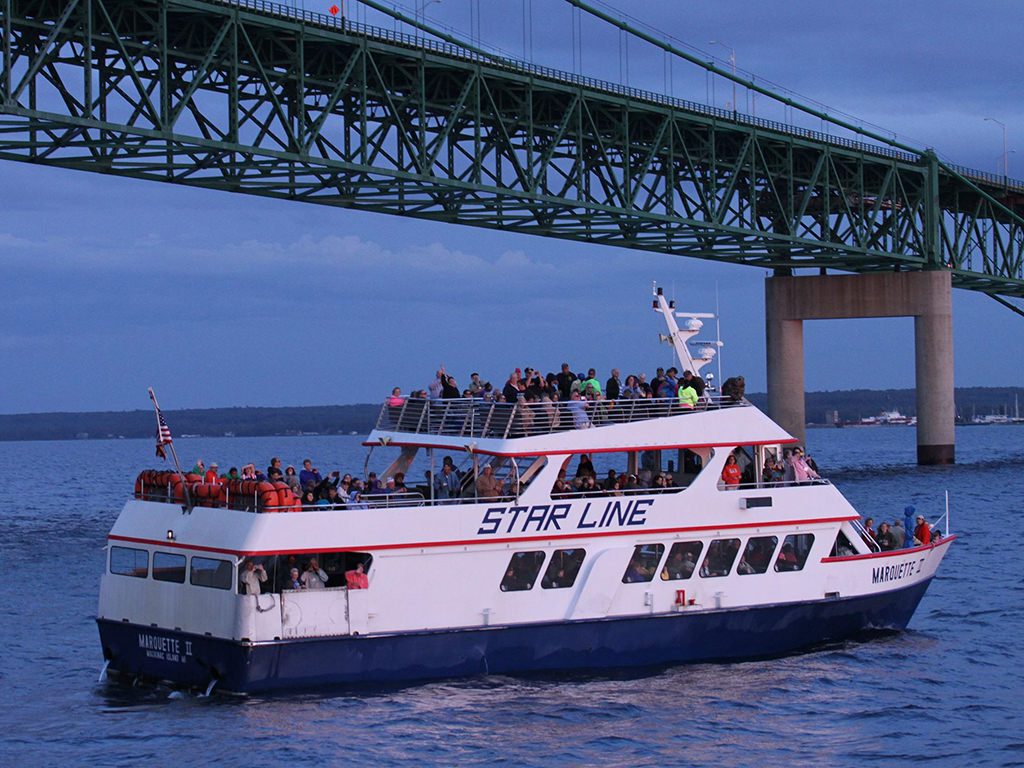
(174, 453)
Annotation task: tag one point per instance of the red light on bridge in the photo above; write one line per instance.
(334, 10)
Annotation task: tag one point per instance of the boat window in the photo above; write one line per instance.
(127, 561)
(211, 572)
(337, 564)
(843, 547)
(757, 555)
(682, 560)
(169, 567)
(644, 563)
(795, 549)
(563, 568)
(522, 571)
(625, 473)
(720, 557)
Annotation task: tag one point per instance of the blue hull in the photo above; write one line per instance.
(643, 641)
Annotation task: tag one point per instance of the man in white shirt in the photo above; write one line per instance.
(252, 576)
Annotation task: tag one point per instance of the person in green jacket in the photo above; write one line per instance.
(687, 395)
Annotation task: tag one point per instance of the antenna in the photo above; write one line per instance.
(718, 334)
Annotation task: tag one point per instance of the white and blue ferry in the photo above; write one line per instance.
(526, 578)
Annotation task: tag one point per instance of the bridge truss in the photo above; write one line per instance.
(267, 100)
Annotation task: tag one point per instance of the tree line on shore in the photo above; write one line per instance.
(850, 405)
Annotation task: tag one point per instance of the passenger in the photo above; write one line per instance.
(356, 578)
(293, 581)
(687, 395)
(670, 385)
(309, 498)
(922, 531)
(585, 467)
(199, 468)
(613, 387)
(673, 568)
(233, 474)
(610, 480)
(275, 475)
(436, 387)
(789, 474)
(656, 382)
(578, 409)
(373, 484)
(513, 386)
(211, 474)
(645, 388)
(476, 387)
(523, 417)
(694, 381)
(898, 534)
(548, 414)
(731, 473)
(786, 560)
(249, 472)
(274, 468)
(396, 400)
(252, 576)
(330, 499)
(869, 528)
(389, 487)
(802, 474)
(886, 540)
(314, 577)
(591, 383)
(400, 483)
(561, 489)
(565, 379)
(487, 485)
(309, 474)
(449, 387)
(631, 391)
(447, 484)
(355, 496)
(769, 472)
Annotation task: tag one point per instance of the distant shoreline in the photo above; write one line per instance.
(850, 405)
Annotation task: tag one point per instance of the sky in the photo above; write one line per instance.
(113, 285)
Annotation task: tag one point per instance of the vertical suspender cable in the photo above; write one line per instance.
(825, 117)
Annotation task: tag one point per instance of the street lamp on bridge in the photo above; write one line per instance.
(732, 60)
(1006, 154)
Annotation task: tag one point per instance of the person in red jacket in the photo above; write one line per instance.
(211, 474)
(731, 473)
(922, 531)
(356, 578)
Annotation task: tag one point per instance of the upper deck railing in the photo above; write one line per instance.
(475, 417)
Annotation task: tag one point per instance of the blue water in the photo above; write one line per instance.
(946, 692)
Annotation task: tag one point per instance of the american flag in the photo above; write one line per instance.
(163, 432)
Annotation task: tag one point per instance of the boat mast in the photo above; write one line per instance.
(680, 338)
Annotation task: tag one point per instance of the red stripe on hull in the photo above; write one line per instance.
(890, 553)
(483, 542)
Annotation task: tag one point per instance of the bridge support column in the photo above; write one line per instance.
(926, 296)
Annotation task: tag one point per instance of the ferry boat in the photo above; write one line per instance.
(510, 575)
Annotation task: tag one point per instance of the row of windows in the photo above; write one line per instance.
(524, 567)
(169, 566)
(216, 573)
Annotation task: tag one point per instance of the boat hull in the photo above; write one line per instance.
(690, 635)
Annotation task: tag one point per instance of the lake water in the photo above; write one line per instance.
(948, 691)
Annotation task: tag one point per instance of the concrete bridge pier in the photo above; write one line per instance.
(925, 296)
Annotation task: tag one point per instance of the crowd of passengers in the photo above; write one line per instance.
(890, 536)
(312, 488)
(528, 385)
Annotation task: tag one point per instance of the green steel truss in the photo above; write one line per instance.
(248, 98)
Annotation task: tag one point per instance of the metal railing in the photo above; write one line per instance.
(512, 64)
(475, 417)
